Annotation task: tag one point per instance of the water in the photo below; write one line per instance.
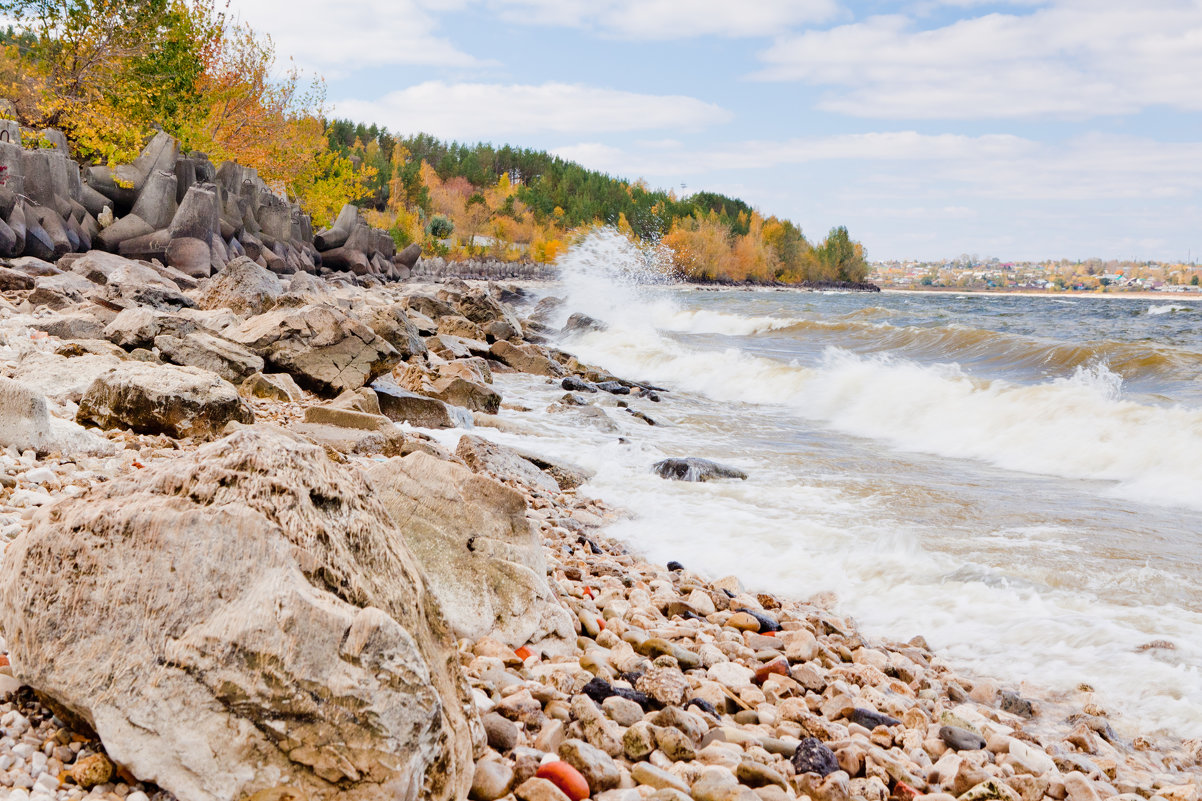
(1018, 479)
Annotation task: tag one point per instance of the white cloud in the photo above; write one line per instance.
(1073, 59)
(337, 39)
(670, 19)
(939, 167)
(487, 111)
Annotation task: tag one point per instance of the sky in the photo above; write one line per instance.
(1020, 129)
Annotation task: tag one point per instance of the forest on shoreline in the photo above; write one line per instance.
(110, 72)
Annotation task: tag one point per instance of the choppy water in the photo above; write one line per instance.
(1018, 479)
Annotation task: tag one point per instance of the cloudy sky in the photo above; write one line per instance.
(1020, 129)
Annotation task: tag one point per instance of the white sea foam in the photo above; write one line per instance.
(1167, 308)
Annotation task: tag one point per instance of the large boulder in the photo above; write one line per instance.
(63, 379)
(243, 287)
(483, 455)
(391, 323)
(468, 394)
(163, 399)
(200, 349)
(526, 359)
(243, 618)
(402, 406)
(26, 424)
(325, 350)
(482, 559)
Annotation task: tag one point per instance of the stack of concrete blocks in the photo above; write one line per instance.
(352, 245)
(176, 208)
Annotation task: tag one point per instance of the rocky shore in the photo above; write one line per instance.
(237, 565)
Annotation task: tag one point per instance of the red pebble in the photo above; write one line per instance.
(601, 624)
(778, 666)
(524, 653)
(588, 591)
(904, 792)
(3, 660)
(566, 778)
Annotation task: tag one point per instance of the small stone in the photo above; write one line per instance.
(812, 756)
(502, 734)
(675, 744)
(622, 711)
(715, 784)
(959, 739)
(647, 774)
(870, 719)
(1015, 704)
(92, 770)
(743, 621)
(991, 790)
(537, 789)
(597, 767)
(638, 741)
(753, 774)
(492, 780)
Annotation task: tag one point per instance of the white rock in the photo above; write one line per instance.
(731, 674)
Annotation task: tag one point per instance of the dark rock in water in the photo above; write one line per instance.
(766, 623)
(574, 384)
(869, 719)
(703, 705)
(675, 566)
(613, 388)
(647, 394)
(579, 323)
(812, 756)
(1015, 704)
(639, 415)
(694, 469)
(959, 739)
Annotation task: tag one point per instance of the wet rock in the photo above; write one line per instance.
(1015, 704)
(255, 546)
(695, 469)
(613, 388)
(163, 399)
(812, 756)
(574, 384)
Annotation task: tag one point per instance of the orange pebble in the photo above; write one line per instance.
(601, 624)
(3, 660)
(524, 653)
(566, 778)
(778, 666)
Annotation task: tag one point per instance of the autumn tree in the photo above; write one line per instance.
(103, 70)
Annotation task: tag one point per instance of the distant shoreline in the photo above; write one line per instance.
(1143, 294)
